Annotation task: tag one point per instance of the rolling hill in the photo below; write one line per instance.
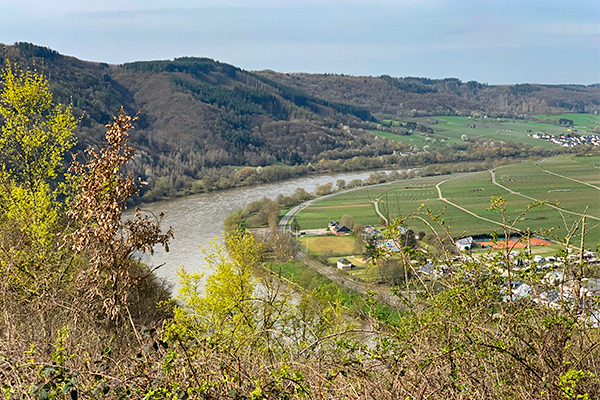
(199, 117)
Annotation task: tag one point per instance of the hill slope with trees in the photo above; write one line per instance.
(206, 125)
(412, 96)
(197, 114)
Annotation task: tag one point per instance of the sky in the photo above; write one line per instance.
(490, 41)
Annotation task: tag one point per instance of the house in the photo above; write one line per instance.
(340, 230)
(344, 265)
(332, 225)
(389, 244)
(464, 243)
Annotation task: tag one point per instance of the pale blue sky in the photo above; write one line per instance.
(498, 42)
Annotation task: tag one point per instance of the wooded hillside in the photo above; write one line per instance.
(198, 116)
(411, 96)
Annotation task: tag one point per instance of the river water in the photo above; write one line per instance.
(197, 219)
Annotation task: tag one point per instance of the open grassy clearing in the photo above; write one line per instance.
(329, 245)
(569, 195)
(416, 139)
(531, 180)
(587, 121)
(584, 169)
(450, 130)
(593, 161)
(474, 192)
(401, 197)
(478, 202)
(491, 129)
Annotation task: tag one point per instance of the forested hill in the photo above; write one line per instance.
(197, 114)
(410, 96)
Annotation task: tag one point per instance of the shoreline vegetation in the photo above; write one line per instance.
(411, 165)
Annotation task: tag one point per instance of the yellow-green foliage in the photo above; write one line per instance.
(238, 308)
(35, 134)
(34, 138)
(229, 289)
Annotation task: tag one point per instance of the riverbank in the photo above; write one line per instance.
(470, 156)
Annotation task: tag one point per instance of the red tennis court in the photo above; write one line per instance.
(501, 244)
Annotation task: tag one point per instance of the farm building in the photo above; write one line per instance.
(344, 265)
(340, 230)
(464, 243)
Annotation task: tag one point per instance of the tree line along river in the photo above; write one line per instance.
(197, 219)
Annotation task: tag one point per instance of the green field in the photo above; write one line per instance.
(473, 192)
(450, 130)
(399, 198)
(583, 121)
(333, 245)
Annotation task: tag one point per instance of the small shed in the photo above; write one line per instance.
(344, 265)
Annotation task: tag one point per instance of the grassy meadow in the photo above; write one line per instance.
(450, 130)
(473, 192)
(583, 121)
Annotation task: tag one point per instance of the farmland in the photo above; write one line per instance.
(583, 121)
(544, 181)
(450, 130)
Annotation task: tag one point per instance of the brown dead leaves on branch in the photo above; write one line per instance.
(113, 247)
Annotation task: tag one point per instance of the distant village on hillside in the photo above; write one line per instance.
(569, 139)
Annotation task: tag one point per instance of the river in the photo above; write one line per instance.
(197, 219)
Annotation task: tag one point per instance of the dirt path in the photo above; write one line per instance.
(566, 177)
(376, 202)
(464, 209)
(534, 199)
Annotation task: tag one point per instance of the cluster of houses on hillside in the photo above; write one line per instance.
(569, 140)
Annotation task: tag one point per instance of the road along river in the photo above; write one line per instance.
(197, 219)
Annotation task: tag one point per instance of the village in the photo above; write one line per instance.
(523, 255)
(569, 139)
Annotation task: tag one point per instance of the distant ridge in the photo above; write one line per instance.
(198, 115)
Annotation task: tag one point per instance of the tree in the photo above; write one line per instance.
(273, 221)
(300, 195)
(359, 241)
(341, 184)
(112, 246)
(347, 220)
(35, 134)
(324, 189)
(295, 225)
(34, 138)
(354, 183)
